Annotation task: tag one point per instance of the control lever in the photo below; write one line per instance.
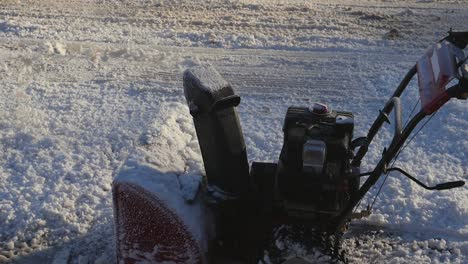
(459, 39)
(440, 186)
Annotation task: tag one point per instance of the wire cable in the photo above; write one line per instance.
(396, 157)
(412, 111)
(406, 122)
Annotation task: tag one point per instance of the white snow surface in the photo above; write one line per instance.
(88, 86)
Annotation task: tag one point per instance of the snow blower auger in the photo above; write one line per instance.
(315, 184)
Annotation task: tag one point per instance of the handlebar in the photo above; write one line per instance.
(440, 186)
(395, 101)
(460, 91)
(459, 39)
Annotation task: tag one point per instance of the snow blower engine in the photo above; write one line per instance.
(310, 180)
(317, 178)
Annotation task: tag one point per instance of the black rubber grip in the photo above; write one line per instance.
(449, 185)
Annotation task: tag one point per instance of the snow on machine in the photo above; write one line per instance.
(316, 182)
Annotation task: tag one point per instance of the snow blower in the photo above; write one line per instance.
(316, 182)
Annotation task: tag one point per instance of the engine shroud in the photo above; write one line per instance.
(311, 176)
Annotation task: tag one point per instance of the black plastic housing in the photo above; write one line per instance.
(212, 103)
(300, 124)
(316, 191)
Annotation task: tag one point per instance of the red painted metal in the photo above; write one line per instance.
(147, 231)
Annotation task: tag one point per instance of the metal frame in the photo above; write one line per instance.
(399, 138)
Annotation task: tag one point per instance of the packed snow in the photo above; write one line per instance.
(89, 87)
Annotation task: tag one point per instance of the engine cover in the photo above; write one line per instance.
(314, 160)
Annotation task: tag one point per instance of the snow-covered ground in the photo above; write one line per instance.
(86, 85)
